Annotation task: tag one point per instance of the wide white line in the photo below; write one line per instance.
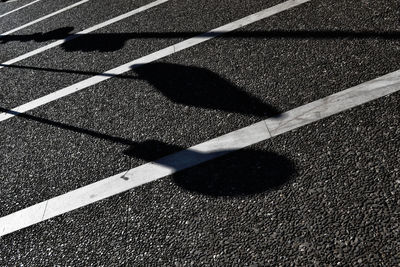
(152, 57)
(12, 11)
(335, 103)
(43, 18)
(86, 31)
(206, 151)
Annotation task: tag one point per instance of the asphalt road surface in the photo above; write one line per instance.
(186, 133)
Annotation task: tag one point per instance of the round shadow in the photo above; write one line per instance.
(245, 172)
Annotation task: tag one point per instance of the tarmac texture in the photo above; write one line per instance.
(325, 194)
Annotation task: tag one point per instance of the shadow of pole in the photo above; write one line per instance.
(191, 86)
(201, 88)
(108, 42)
(71, 128)
(243, 172)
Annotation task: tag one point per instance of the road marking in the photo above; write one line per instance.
(151, 57)
(203, 152)
(14, 10)
(43, 18)
(88, 30)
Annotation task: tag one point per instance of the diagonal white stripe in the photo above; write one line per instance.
(88, 30)
(44, 17)
(19, 8)
(151, 57)
(195, 155)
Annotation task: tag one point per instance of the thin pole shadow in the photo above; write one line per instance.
(81, 72)
(58, 34)
(244, 172)
(72, 128)
(198, 87)
(108, 42)
(193, 86)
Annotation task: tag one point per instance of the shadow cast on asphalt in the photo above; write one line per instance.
(108, 42)
(202, 88)
(230, 173)
(249, 172)
(198, 87)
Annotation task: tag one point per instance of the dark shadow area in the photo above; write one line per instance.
(151, 150)
(244, 172)
(230, 173)
(107, 42)
(192, 86)
(199, 87)
(57, 34)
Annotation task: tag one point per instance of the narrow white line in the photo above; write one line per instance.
(12, 11)
(43, 18)
(206, 151)
(86, 31)
(151, 57)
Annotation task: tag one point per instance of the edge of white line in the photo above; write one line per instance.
(19, 8)
(135, 177)
(197, 154)
(153, 170)
(28, 216)
(328, 106)
(44, 17)
(86, 31)
(148, 58)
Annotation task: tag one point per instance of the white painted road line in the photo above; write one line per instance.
(206, 151)
(14, 10)
(335, 103)
(151, 57)
(44, 17)
(88, 30)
